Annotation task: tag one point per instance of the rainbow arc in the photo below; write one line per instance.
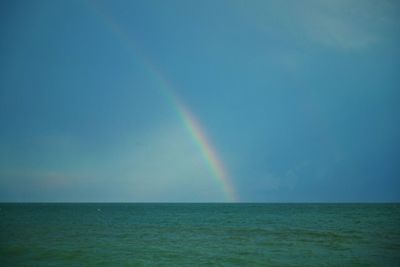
(192, 125)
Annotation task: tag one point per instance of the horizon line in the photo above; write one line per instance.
(198, 202)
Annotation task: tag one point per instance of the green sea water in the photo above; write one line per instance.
(199, 234)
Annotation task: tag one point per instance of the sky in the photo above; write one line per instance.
(200, 101)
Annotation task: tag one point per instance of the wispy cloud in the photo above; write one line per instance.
(163, 165)
(336, 24)
(344, 24)
(169, 167)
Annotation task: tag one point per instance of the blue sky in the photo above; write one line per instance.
(300, 100)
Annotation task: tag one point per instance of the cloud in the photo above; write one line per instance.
(286, 181)
(342, 24)
(339, 24)
(163, 165)
(168, 166)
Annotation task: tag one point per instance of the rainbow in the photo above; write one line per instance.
(187, 118)
(197, 133)
(208, 151)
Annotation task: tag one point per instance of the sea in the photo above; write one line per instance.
(207, 234)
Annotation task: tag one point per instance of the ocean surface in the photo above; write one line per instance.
(199, 234)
